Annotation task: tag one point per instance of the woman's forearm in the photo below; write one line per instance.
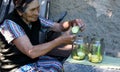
(42, 49)
(34, 51)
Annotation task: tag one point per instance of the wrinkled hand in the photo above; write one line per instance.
(67, 38)
(79, 23)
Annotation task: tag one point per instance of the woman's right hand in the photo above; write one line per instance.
(67, 38)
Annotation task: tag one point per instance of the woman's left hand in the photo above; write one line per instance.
(79, 23)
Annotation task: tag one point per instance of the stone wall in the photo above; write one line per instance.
(100, 16)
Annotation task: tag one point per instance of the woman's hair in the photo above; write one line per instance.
(21, 5)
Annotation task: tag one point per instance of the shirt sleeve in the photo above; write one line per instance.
(45, 22)
(10, 30)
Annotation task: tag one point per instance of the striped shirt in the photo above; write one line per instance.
(10, 30)
(46, 22)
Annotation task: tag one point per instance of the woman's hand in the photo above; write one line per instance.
(77, 22)
(67, 38)
(64, 26)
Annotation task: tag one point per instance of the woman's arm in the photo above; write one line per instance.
(24, 45)
(14, 34)
(64, 26)
(58, 27)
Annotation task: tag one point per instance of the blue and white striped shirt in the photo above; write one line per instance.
(10, 30)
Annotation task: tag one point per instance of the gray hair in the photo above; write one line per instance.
(21, 5)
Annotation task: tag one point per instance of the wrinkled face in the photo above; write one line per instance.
(31, 13)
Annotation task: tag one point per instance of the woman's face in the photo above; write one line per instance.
(31, 13)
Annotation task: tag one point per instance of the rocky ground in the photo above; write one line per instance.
(102, 18)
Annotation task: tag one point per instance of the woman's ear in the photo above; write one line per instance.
(20, 13)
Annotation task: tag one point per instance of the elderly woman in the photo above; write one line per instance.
(21, 51)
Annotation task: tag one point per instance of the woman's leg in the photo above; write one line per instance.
(44, 64)
(49, 64)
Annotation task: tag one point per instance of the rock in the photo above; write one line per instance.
(100, 16)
